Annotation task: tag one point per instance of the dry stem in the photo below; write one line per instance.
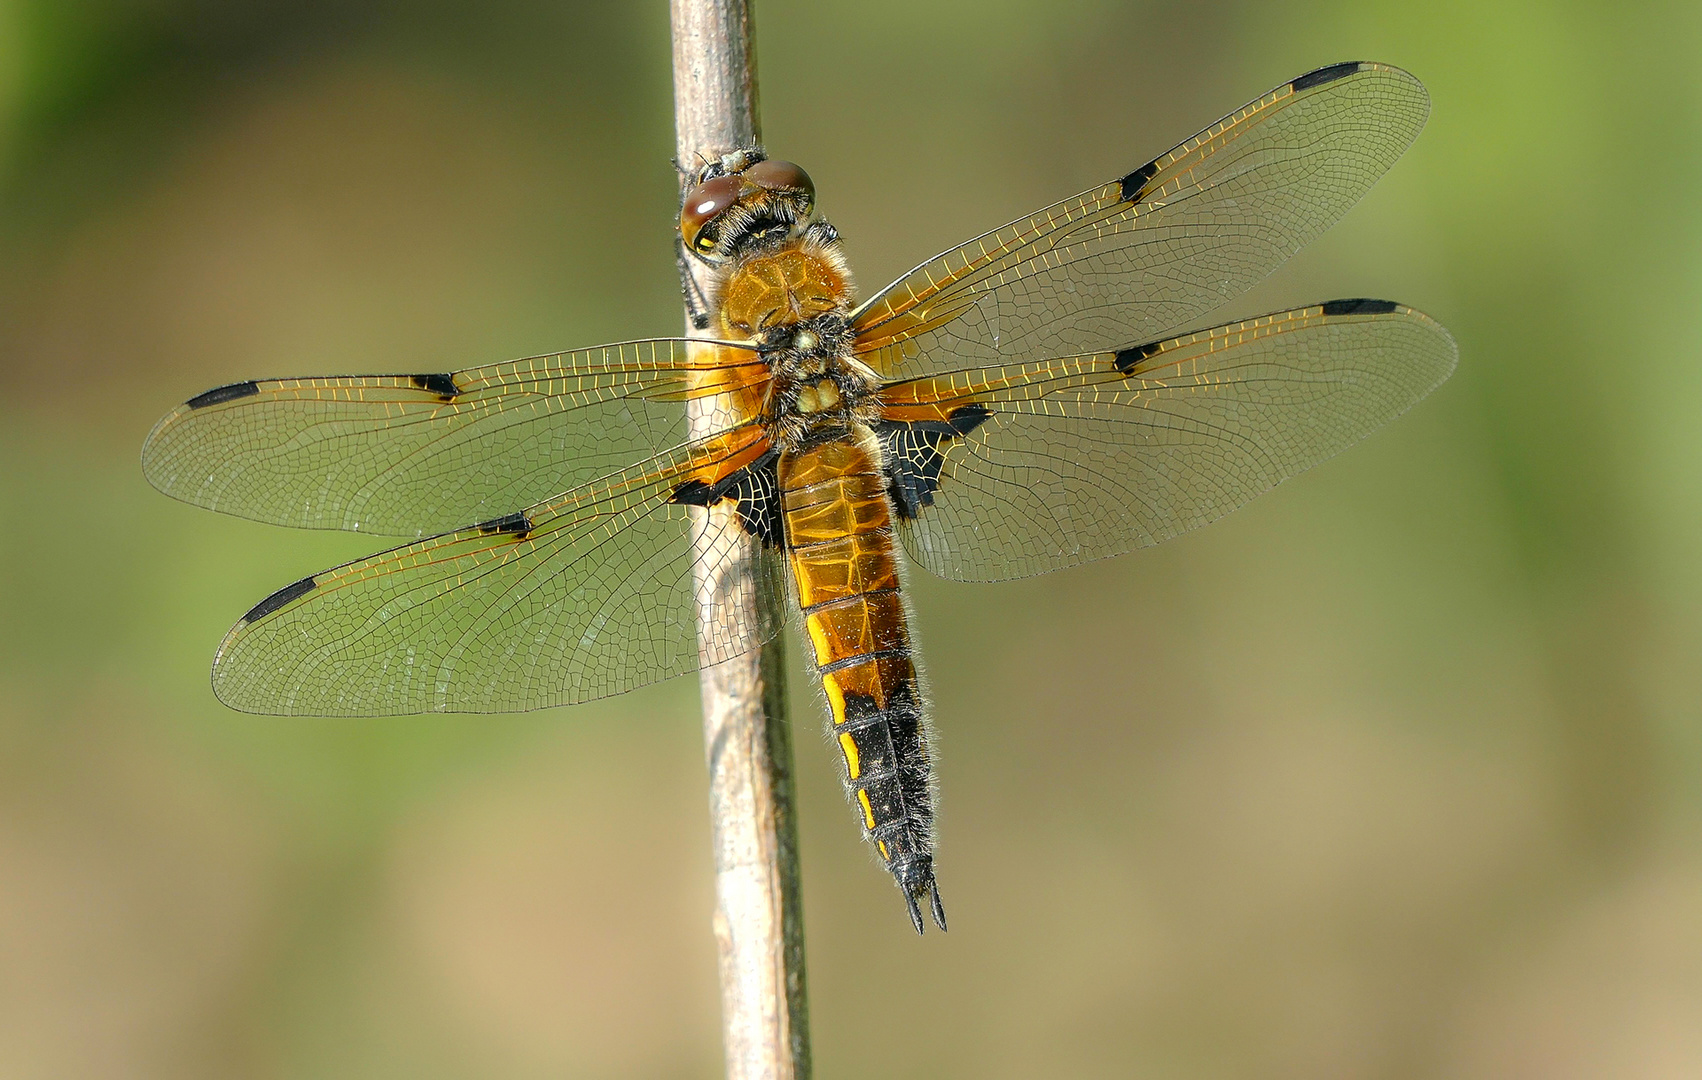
(758, 915)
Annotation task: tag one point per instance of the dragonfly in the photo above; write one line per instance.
(1030, 400)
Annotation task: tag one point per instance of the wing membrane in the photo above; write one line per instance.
(584, 596)
(1144, 255)
(1083, 457)
(410, 455)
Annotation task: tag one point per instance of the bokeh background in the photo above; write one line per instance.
(1395, 773)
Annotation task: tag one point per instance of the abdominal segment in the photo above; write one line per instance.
(839, 532)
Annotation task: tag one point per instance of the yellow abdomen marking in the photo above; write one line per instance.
(868, 811)
(861, 625)
(868, 680)
(852, 762)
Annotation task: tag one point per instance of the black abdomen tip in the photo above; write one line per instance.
(916, 880)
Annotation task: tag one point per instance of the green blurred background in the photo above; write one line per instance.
(1395, 773)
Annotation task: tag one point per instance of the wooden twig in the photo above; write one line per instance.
(759, 925)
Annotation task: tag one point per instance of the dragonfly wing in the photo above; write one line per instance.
(412, 455)
(583, 596)
(1144, 255)
(1019, 469)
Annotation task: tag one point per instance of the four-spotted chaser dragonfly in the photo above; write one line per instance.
(1023, 402)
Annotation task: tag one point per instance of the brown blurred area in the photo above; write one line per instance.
(1395, 773)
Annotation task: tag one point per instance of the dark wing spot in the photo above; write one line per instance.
(1324, 75)
(1134, 184)
(915, 455)
(693, 493)
(223, 394)
(278, 599)
(515, 524)
(963, 421)
(1358, 306)
(441, 383)
(1127, 360)
(755, 491)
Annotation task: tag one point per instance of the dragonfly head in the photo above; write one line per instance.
(742, 202)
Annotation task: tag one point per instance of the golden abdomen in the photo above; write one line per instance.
(839, 531)
(840, 542)
(786, 287)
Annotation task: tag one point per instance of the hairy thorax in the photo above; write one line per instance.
(789, 286)
(796, 301)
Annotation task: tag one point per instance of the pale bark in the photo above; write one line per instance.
(758, 917)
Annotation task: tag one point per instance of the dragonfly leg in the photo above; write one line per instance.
(697, 305)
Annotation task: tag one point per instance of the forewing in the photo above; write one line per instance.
(1044, 465)
(587, 595)
(411, 455)
(1140, 257)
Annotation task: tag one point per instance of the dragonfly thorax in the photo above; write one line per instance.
(817, 382)
(801, 281)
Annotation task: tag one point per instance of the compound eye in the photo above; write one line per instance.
(703, 203)
(780, 176)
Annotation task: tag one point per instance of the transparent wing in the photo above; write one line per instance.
(1068, 460)
(587, 595)
(411, 455)
(1144, 255)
